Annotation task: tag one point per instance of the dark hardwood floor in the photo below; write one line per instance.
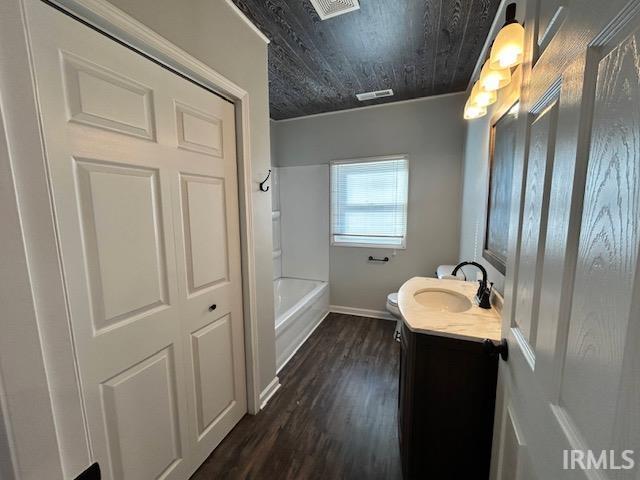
(334, 416)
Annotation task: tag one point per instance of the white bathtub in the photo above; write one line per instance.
(300, 306)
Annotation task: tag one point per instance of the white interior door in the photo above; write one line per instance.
(142, 170)
(569, 395)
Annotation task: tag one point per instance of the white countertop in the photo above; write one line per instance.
(473, 324)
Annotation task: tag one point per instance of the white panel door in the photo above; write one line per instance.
(569, 395)
(143, 178)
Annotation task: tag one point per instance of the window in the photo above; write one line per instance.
(369, 202)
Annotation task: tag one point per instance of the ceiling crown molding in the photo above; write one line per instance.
(246, 20)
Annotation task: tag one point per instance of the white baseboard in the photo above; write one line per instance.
(302, 342)
(268, 392)
(362, 312)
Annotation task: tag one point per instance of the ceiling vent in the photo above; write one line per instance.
(333, 8)
(373, 95)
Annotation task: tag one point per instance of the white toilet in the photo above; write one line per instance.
(392, 305)
(392, 308)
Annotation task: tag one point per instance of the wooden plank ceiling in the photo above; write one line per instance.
(416, 47)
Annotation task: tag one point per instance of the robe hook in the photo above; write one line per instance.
(262, 187)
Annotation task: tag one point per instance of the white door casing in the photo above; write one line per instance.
(142, 165)
(572, 294)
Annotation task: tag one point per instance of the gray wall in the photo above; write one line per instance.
(431, 132)
(213, 33)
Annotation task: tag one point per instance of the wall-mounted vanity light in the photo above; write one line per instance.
(507, 52)
(508, 47)
(492, 80)
(472, 110)
(482, 98)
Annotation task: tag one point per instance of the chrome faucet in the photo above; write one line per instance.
(483, 295)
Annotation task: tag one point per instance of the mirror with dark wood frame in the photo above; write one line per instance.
(503, 143)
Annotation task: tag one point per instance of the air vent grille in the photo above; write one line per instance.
(373, 95)
(332, 8)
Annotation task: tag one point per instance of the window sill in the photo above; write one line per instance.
(369, 245)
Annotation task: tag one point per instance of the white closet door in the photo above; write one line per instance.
(207, 238)
(143, 178)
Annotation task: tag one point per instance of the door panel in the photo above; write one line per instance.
(198, 131)
(550, 16)
(213, 364)
(512, 458)
(534, 220)
(141, 419)
(103, 98)
(571, 379)
(205, 194)
(565, 211)
(607, 263)
(123, 237)
(144, 189)
(514, 448)
(205, 231)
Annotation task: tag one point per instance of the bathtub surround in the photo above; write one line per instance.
(304, 206)
(431, 132)
(300, 306)
(276, 227)
(300, 256)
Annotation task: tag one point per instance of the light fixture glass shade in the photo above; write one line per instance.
(492, 80)
(481, 97)
(471, 110)
(508, 47)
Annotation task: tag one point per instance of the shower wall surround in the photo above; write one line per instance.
(275, 218)
(300, 256)
(304, 206)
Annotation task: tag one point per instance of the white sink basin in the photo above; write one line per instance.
(442, 300)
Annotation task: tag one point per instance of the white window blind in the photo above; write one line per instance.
(369, 202)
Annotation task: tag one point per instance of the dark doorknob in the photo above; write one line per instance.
(493, 349)
(213, 307)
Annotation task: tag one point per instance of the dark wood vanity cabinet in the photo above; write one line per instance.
(446, 406)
